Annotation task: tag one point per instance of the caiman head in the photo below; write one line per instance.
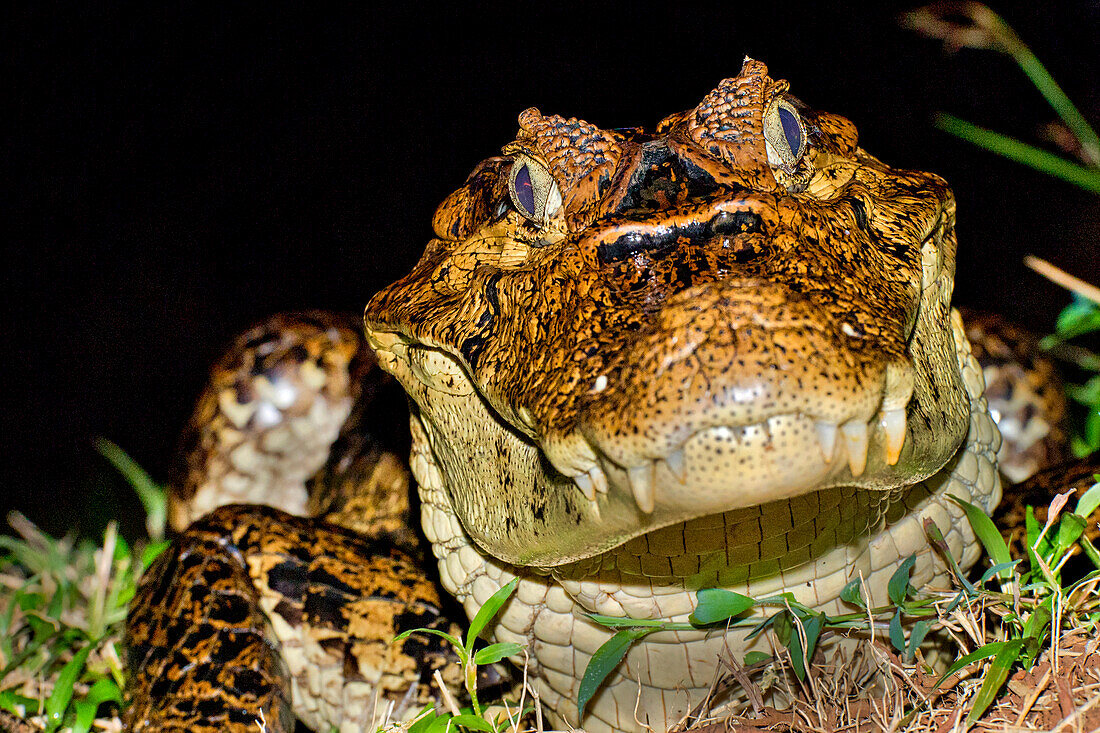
(616, 330)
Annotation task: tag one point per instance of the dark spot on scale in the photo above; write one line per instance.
(320, 576)
(325, 607)
(232, 644)
(249, 681)
(230, 608)
(291, 612)
(298, 353)
(210, 708)
(288, 578)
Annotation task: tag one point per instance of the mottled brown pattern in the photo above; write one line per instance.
(1024, 392)
(708, 274)
(252, 607)
(632, 395)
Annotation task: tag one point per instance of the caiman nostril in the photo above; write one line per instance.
(732, 223)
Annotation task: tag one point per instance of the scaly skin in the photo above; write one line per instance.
(718, 355)
(686, 361)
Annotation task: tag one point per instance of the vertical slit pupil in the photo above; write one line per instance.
(791, 129)
(525, 192)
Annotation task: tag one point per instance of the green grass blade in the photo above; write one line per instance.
(1058, 100)
(58, 700)
(488, 610)
(987, 533)
(1021, 152)
(995, 677)
(982, 652)
(604, 662)
(102, 691)
(152, 495)
(435, 632)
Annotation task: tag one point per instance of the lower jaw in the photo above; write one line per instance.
(663, 677)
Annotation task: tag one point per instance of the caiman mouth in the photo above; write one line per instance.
(730, 467)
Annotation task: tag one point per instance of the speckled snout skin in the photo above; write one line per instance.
(698, 361)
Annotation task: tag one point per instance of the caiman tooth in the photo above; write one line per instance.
(641, 484)
(675, 462)
(826, 438)
(893, 425)
(584, 483)
(599, 479)
(855, 440)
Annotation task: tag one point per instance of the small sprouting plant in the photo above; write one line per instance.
(473, 718)
(62, 613)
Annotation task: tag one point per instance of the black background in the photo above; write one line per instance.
(177, 173)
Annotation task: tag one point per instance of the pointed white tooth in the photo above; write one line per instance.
(584, 483)
(676, 465)
(599, 479)
(893, 425)
(641, 483)
(826, 437)
(855, 440)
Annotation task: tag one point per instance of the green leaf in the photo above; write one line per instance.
(852, 593)
(987, 533)
(811, 627)
(441, 724)
(781, 623)
(1070, 527)
(151, 552)
(434, 632)
(102, 691)
(752, 658)
(1089, 501)
(11, 702)
(472, 722)
(488, 610)
(898, 587)
(715, 605)
(604, 662)
(1036, 626)
(897, 633)
(995, 677)
(62, 693)
(423, 720)
(496, 652)
(982, 652)
(1081, 316)
(916, 638)
(996, 570)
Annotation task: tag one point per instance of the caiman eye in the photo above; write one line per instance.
(533, 191)
(784, 134)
